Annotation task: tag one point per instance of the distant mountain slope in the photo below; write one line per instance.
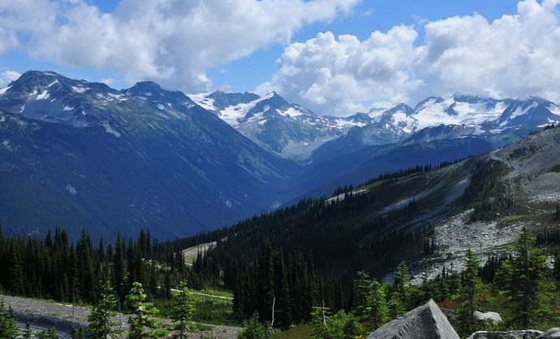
(444, 119)
(82, 155)
(285, 129)
(479, 203)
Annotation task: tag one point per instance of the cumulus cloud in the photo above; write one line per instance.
(342, 74)
(8, 76)
(513, 56)
(170, 41)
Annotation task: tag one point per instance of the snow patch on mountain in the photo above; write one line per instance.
(79, 89)
(43, 95)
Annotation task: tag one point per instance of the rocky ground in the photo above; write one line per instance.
(65, 316)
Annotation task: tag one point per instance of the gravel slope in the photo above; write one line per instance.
(65, 316)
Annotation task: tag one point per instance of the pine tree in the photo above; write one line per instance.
(376, 304)
(521, 277)
(183, 309)
(319, 322)
(141, 324)
(253, 329)
(100, 323)
(8, 327)
(49, 333)
(361, 285)
(469, 301)
(27, 332)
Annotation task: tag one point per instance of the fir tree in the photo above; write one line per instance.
(469, 301)
(100, 323)
(183, 309)
(521, 277)
(49, 333)
(253, 329)
(8, 327)
(319, 322)
(376, 304)
(27, 332)
(140, 321)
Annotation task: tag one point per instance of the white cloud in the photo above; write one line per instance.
(338, 75)
(169, 41)
(514, 56)
(8, 76)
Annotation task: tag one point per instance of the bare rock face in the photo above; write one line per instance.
(523, 334)
(426, 321)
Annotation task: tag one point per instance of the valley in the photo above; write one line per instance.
(116, 161)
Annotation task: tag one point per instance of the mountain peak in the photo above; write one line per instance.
(144, 87)
(31, 79)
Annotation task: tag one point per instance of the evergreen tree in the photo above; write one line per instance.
(361, 285)
(27, 332)
(253, 329)
(8, 327)
(521, 277)
(49, 333)
(100, 323)
(140, 321)
(376, 304)
(469, 301)
(183, 309)
(78, 333)
(319, 322)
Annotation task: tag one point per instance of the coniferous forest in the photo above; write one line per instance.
(275, 289)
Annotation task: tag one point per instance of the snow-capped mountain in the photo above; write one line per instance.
(436, 118)
(288, 130)
(83, 155)
(294, 132)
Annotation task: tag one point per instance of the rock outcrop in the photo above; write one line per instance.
(522, 334)
(491, 317)
(426, 321)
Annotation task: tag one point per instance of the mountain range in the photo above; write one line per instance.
(424, 216)
(79, 154)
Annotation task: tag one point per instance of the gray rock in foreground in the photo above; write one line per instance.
(552, 333)
(426, 321)
(492, 317)
(522, 334)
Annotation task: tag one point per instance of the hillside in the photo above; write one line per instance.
(437, 214)
(80, 154)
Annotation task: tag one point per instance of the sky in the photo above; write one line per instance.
(336, 57)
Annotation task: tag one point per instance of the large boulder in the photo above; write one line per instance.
(426, 321)
(491, 317)
(522, 334)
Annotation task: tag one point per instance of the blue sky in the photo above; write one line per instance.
(291, 46)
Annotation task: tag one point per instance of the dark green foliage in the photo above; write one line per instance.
(55, 268)
(337, 326)
(49, 333)
(78, 333)
(376, 304)
(183, 309)
(27, 332)
(8, 327)
(488, 191)
(100, 324)
(521, 279)
(253, 329)
(141, 322)
(292, 284)
(470, 289)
